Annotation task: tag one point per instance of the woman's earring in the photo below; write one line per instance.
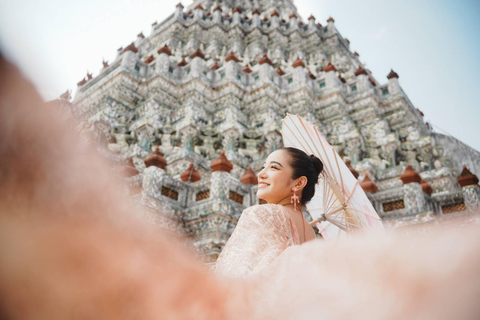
(294, 200)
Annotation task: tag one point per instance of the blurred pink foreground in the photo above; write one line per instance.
(72, 247)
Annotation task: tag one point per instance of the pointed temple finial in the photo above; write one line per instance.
(131, 47)
(330, 20)
(165, 49)
(221, 164)
(410, 175)
(265, 59)
(198, 53)
(156, 159)
(392, 75)
(275, 14)
(279, 71)
(105, 63)
(368, 185)
(249, 177)
(190, 175)
(256, 11)
(467, 178)
(199, 6)
(140, 35)
(298, 63)
(182, 63)
(247, 69)
(149, 59)
(360, 71)
(82, 82)
(329, 67)
(215, 66)
(232, 56)
(179, 5)
(311, 17)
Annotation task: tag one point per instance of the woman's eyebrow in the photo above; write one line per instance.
(277, 163)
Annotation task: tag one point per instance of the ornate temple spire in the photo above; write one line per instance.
(198, 53)
(360, 71)
(392, 75)
(182, 63)
(368, 185)
(222, 164)
(329, 67)
(156, 159)
(190, 175)
(298, 63)
(247, 69)
(467, 178)
(232, 56)
(265, 59)
(410, 175)
(249, 177)
(165, 49)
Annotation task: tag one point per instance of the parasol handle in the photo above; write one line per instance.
(320, 219)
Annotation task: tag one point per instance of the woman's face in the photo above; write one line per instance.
(275, 183)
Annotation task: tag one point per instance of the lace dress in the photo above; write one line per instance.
(261, 235)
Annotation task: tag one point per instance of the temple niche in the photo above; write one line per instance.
(188, 113)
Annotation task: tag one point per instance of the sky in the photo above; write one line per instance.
(434, 46)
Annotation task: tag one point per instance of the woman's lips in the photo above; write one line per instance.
(263, 184)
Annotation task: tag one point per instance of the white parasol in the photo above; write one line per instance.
(340, 206)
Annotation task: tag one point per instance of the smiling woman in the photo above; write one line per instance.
(286, 182)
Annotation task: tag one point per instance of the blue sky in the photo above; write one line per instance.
(433, 45)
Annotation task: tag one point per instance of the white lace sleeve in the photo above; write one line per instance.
(262, 233)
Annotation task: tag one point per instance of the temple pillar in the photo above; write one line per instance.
(413, 195)
(393, 85)
(470, 189)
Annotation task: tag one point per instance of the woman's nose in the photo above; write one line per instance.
(262, 174)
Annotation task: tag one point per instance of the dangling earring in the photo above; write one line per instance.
(294, 200)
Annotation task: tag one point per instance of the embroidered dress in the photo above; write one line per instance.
(263, 232)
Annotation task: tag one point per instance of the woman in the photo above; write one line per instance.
(286, 182)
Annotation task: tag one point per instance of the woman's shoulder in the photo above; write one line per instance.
(267, 211)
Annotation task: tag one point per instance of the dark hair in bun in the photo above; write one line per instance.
(304, 165)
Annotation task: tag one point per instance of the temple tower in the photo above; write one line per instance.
(190, 112)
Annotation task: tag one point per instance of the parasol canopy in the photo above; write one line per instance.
(339, 206)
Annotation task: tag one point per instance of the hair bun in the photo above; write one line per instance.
(317, 164)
